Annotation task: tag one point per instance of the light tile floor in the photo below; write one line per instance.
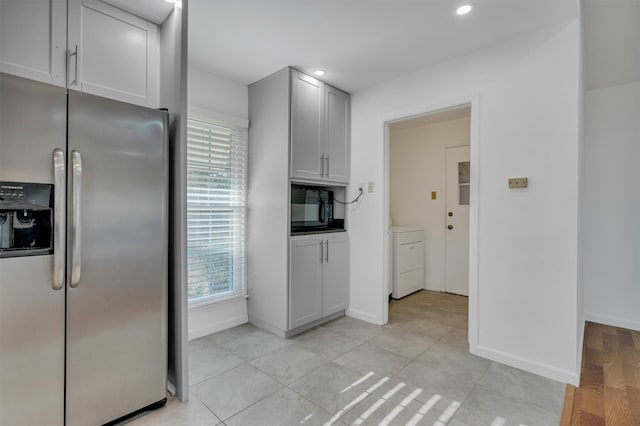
(416, 370)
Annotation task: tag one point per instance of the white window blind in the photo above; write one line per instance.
(216, 211)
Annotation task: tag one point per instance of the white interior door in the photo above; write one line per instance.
(457, 220)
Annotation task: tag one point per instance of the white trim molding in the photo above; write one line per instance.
(472, 100)
(615, 322)
(561, 375)
(214, 317)
(208, 116)
(364, 316)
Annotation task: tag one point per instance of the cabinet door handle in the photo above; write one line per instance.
(327, 157)
(321, 253)
(326, 244)
(75, 75)
(322, 165)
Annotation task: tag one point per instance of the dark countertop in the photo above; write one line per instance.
(323, 231)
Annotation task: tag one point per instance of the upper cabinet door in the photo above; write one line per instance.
(307, 130)
(320, 126)
(112, 53)
(33, 39)
(337, 140)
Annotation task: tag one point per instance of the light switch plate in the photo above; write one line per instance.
(521, 182)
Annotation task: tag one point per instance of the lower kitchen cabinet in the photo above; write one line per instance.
(305, 295)
(319, 277)
(335, 275)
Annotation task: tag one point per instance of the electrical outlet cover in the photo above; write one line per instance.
(521, 182)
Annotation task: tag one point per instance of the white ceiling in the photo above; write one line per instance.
(153, 10)
(358, 42)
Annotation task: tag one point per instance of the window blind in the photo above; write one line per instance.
(216, 210)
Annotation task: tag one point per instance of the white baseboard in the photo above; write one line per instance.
(561, 375)
(364, 316)
(216, 317)
(268, 327)
(433, 288)
(580, 350)
(615, 322)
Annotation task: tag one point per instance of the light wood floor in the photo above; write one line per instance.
(609, 392)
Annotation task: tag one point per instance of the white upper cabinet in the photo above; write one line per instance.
(319, 130)
(307, 116)
(112, 53)
(33, 39)
(337, 135)
(85, 45)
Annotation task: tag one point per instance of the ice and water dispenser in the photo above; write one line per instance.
(26, 219)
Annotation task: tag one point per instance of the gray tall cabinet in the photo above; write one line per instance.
(299, 133)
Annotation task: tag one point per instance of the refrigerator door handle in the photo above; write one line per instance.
(76, 219)
(59, 217)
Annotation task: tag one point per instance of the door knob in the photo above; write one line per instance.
(450, 214)
(450, 227)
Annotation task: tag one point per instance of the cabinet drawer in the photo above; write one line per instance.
(409, 282)
(410, 256)
(410, 237)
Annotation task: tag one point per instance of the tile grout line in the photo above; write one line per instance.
(475, 385)
(301, 377)
(254, 403)
(308, 400)
(525, 401)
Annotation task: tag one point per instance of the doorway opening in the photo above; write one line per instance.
(430, 207)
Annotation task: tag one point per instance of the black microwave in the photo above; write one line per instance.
(312, 210)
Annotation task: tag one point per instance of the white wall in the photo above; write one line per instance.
(527, 125)
(213, 98)
(418, 167)
(217, 97)
(612, 205)
(611, 234)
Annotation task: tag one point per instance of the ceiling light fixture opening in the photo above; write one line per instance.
(463, 9)
(319, 73)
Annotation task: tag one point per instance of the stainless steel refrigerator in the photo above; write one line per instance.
(83, 249)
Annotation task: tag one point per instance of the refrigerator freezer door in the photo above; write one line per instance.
(32, 125)
(117, 310)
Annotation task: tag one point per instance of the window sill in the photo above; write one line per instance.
(205, 304)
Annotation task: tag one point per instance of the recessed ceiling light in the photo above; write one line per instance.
(319, 73)
(464, 9)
